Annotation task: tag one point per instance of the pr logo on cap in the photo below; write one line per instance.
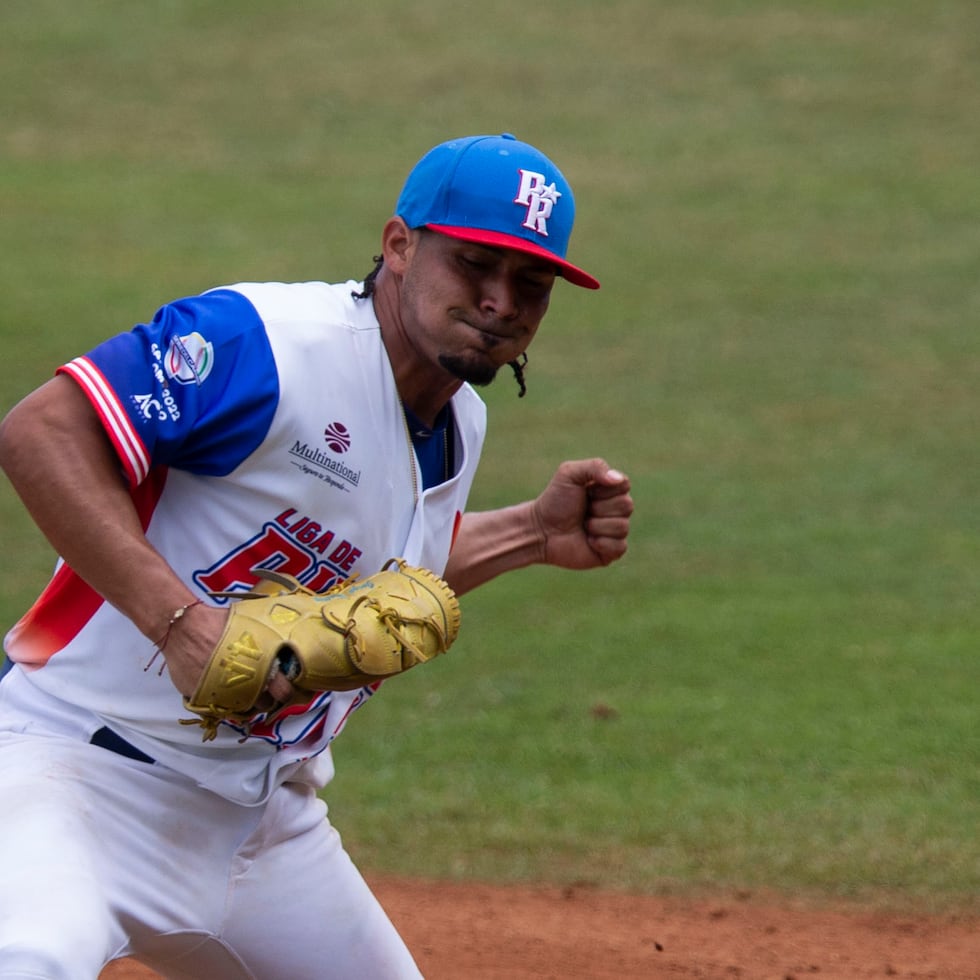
(539, 198)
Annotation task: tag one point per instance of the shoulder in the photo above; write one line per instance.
(303, 302)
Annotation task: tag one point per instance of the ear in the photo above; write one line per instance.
(397, 243)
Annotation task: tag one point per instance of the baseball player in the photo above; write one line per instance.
(306, 432)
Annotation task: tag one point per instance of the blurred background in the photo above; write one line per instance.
(777, 687)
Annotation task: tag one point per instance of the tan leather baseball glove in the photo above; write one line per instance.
(360, 631)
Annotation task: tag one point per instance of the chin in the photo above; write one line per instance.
(475, 373)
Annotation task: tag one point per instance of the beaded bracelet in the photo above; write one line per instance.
(177, 615)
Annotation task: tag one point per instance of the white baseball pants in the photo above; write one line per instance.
(103, 856)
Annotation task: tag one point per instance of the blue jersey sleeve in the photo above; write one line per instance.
(195, 389)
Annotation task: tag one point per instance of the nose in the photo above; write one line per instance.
(499, 297)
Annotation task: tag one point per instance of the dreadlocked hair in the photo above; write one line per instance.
(369, 279)
(517, 367)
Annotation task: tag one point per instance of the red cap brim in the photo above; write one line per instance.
(496, 239)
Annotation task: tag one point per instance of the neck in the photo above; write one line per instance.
(423, 387)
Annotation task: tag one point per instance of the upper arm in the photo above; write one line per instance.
(54, 421)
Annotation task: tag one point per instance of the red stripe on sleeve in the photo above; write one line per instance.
(126, 440)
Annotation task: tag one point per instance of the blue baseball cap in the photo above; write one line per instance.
(497, 191)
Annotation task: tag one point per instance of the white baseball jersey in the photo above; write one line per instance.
(258, 426)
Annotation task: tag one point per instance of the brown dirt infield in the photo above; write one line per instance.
(490, 932)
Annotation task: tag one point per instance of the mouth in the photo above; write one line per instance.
(489, 338)
(492, 334)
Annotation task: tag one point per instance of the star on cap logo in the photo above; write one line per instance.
(539, 198)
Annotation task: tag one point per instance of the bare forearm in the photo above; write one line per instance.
(490, 543)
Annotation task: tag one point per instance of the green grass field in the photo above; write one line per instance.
(778, 687)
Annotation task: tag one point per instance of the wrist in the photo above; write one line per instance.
(172, 622)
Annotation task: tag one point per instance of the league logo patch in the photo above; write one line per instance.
(189, 359)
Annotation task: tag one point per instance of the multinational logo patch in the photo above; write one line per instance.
(189, 359)
(337, 436)
(322, 462)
